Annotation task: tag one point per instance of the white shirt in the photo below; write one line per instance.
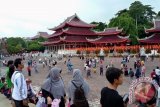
(159, 92)
(19, 86)
(157, 72)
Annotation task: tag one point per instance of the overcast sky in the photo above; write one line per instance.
(27, 17)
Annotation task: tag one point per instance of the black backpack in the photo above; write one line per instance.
(79, 97)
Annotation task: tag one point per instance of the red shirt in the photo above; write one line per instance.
(28, 68)
(152, 74)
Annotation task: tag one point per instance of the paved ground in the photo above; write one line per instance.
(96, 83)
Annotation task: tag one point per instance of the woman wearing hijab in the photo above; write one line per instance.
(53, 88)
(77, 81)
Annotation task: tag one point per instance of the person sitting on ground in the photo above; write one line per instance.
(109, 94)
(78, 81)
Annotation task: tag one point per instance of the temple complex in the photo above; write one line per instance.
(74, 33)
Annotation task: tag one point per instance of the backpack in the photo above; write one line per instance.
(79, 97)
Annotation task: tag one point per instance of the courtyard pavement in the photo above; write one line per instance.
(96, 83)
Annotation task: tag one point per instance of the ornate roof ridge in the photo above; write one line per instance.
(68, 20)
(90, 40)
(147, 37)
(126, 37)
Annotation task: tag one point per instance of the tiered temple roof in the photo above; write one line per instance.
(110, 31)
(109, 39)
(74, 21)
(156, 28)
(110, 35)
(73, 29)
(154, 38)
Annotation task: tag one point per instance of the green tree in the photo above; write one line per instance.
(133, 39)
(11, 49)
(41, 39)
(141, 13)
(100, 26)
(35, 46)
(124, 21)
(15, 45)
(121, 12)
(143, 16)
(135, 19)
(15, 41)
(18, 48)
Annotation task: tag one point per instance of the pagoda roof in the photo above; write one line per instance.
(75, 39)
(110, 31)
(66, 39)
(57, 33)
(155, 38)
(50, 43)
(74, 31)
(73, 21)
(109, 39)
(79, 31)
(156, 27)
(41, 34)
(101, 39)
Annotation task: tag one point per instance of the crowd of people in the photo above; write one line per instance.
(19, 90)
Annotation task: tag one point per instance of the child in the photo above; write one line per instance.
(101, 69)
(88, 69)
(126, 70)
(29, 70)
(143, 70)
(131, 74)
(31, 95)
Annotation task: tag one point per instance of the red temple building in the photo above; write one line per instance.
(74, 33)
(154, 35)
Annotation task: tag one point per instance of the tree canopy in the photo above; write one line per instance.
(100, 26)
(134, 20)
(17, 45)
